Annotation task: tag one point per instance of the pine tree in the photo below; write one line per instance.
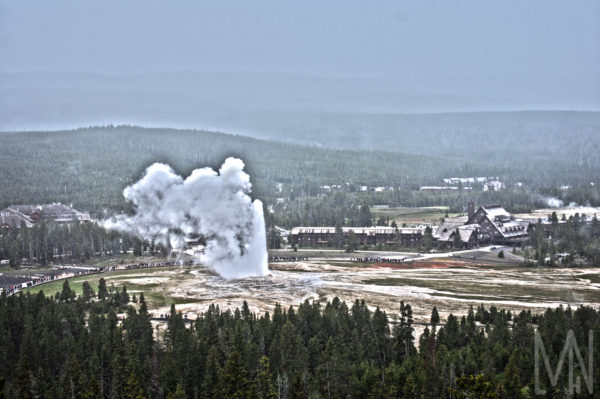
(403, 334)
(24, 383)
(428, 239)
(91, 390)
(409, 389)
(365, 218)
(338, 240)
(352, 242)
(67, 294)
(472, 386)
(124, 296)
(457, 241)
(297, 388)
(178, 394)
(264, 380)
(102, 291)
(88, 292)
(133, 390)
(435, 317)
(233, 381)
(211, 374)
(512, 381)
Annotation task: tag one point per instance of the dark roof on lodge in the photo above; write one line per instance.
(9, 217)
(448, 226)
(467, 231)
(496, 215)
(503, 221)
(446, 231)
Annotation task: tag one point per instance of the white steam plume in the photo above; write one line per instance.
(553, 202)
(207, 204)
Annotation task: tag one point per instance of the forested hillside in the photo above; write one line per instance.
(90, 167)
(497, 138)
(76, 347)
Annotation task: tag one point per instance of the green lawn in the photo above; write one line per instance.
(152, 291)
(76, 283)
(428, 214)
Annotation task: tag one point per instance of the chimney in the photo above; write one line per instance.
(470, 209)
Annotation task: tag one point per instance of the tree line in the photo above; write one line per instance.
(75, 242)
(576, 236)
(70, 345)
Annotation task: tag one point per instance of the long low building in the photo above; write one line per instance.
(322, 236)
(489, 224)
(28, 215)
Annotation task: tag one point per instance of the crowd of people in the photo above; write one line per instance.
(377, 259)
(166, 263)
(287, 258)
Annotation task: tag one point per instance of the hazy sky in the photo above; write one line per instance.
(537, 48)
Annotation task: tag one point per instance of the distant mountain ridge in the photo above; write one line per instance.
(337, 113)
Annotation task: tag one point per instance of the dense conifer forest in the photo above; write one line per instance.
(579, 235)
(48, 243)
(90, 167)
(103, 345)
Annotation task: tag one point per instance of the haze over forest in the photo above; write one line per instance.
(304, 199)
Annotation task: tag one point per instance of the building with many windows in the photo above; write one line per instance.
(384, 235)
(17, 215)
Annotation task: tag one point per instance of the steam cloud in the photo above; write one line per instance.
(553, 202)
(215, 206)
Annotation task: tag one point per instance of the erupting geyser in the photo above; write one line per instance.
(207, 204)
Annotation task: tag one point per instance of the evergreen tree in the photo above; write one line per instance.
(435, 317)
(24, 383)
(297, 388)
(365, 218)
(88, 292)
(124, 297)
(338, 240)
(264, 380)
(233, 380)
(428, 238)
(457, 241)
(211, 375)
(472, 386)
(67, 293)
(178, 394)
(352, 242)
(133, 390)
(512, 381)
(102, 291)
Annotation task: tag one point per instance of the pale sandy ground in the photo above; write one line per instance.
(567, 211)
(452, 290)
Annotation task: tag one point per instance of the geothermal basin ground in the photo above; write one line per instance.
(451, 282)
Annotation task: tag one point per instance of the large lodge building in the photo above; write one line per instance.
(29, 215)
(490, 224)
(321, 236)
